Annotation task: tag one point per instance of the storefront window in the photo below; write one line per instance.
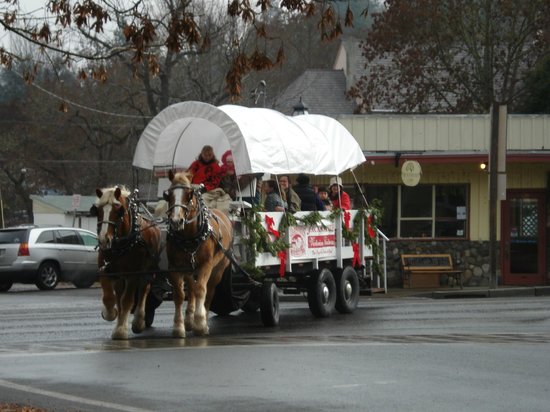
(386, 197)
(423, 211)
(416, 201)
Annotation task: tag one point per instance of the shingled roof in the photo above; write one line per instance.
(322, 91)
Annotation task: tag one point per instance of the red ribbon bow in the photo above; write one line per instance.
(356, 261)
(372, 233)
(282, 258)
(270, 229)
(282, 254)
(347, 217)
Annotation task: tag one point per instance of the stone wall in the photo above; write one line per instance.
(472, 257)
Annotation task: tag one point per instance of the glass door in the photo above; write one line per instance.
(523, 238)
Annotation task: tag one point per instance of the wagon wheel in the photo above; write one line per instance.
(84, 283)
(269, 304)
(347, 290)
(5, 285)
(321, 295)
(47, 276)
(253, 302)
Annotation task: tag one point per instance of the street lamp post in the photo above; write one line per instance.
(2, 208)
(299, 108)
(259, 91)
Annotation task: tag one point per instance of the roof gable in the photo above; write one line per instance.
(323, 91)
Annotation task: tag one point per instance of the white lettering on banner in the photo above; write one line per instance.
(321, 241)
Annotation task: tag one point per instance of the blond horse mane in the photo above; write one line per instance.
(108, 196)
(182, 178)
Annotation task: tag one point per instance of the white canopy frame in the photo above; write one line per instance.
(261, 140)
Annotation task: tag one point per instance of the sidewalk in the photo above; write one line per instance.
(467, 292)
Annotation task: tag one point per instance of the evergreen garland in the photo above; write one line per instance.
(258, 240)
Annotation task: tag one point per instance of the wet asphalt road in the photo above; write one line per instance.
(413, 354)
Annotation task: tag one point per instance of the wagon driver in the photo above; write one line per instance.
(205, 169)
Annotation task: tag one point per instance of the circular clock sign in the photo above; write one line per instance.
(411, 172)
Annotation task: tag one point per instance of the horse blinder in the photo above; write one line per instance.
(121, 212)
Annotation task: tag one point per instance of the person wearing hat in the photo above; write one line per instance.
(244, 185)
(310, 200)
(339, 198)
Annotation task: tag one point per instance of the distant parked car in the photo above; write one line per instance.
(47, 255)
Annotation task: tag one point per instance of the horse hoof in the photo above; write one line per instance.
(119, 335)
(201, 331)
(109, 316)
(138, 327)
(178, 333)
(189, 324)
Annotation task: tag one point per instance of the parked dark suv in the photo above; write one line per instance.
(47, 255)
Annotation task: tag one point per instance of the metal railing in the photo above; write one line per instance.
(385, 239)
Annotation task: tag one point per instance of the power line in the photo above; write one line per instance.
(41, 122)
(91, 109)
(67, 161)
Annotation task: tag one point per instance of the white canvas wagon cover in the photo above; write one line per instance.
(261, 140)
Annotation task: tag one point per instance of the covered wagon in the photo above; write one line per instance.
(320, 254)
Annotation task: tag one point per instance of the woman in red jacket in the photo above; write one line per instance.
(339, 198)
(205, 169)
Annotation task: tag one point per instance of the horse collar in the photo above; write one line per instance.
(123, 244)
(192, 244)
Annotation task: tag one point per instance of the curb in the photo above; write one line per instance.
(503, 292)
(542, 290)
(493, 293)
(500, 293)
(460, 294)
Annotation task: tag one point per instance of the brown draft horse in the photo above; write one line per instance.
(129, 248)
(197, 241)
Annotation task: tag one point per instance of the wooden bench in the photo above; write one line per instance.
(423, 270)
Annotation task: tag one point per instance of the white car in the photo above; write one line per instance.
(47, 255)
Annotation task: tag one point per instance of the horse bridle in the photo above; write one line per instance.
(185, 207)
(204, 228)
(133, 235)
(114, 223)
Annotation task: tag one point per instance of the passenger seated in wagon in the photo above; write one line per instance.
(339, 198)
(230, 182)
(205, 169)
(273, 201)
(289, 195)
(310, 200)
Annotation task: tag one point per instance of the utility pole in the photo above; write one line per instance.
(493, 196)
(497, 181)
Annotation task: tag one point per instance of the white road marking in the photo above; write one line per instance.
(360, 385)
(349, 385)
(70, 398)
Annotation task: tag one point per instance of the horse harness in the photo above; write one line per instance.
(205, 230)
(122, 245)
